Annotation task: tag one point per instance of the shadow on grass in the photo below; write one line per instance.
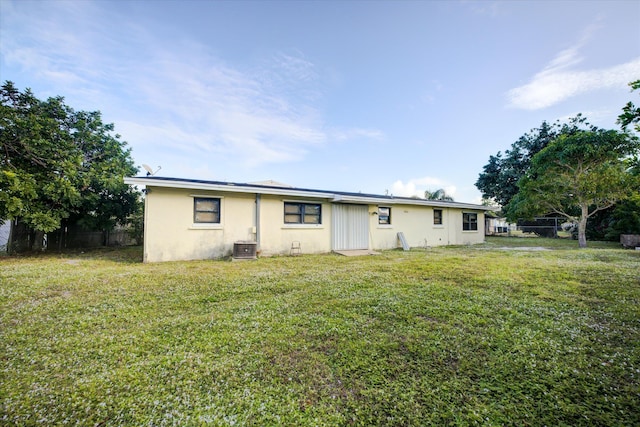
(121, 254)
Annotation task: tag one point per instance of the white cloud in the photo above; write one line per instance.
(559, 80)
(356, 133)
(167, 94)
(417, 187)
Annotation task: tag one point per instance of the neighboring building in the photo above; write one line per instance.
(191, 219)
(496, 225)
(5, 231)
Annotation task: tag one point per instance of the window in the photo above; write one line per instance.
(384, 215)
(469, 221)
(302, 213)
(206, 210)
(437, 217)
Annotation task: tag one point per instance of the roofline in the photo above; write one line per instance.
(332, 196)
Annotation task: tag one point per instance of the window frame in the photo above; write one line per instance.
(217, 210)
(440, 217)
(302, 214)
(468, 222)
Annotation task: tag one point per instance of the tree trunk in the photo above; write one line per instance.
(582, 227)
(38, 241)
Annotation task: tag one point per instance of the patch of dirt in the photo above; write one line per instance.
(523, 248)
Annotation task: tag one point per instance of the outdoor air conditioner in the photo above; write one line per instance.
(244, 250)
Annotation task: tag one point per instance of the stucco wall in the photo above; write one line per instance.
(170, 233)
(276, 237)
(416, 223)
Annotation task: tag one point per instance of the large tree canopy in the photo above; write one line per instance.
(57, 163)
(576, 176)
(499, 179)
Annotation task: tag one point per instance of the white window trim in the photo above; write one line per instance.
(308, 202)
(299, 226)
(206, 196)
(205, 226)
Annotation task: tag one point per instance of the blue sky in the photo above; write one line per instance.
(380, 96)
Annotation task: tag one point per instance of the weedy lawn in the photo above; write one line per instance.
(482, 335)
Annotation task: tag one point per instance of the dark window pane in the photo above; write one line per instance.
(291, 208)
(384, 215)
(205, 205)
(312, 209)
(292, 219)
(207, 217)
(470, 221)
(311, 219)
(437, 216)
(302, 213)
(206, 210)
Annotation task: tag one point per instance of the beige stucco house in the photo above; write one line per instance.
(191, 219)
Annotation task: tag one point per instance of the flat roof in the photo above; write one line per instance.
(259, 188)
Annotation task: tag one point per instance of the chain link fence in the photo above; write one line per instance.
(543, 227)
(20, 238)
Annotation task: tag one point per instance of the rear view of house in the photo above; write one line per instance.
(192, 219)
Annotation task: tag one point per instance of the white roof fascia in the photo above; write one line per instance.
(339, 198)
(227, 187)
(280, 191)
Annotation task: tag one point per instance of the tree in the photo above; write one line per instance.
(439, 194)
(624, 217)
(38, 161)
(57, 163)
(630, 113)
(576, 176)
(500, 176)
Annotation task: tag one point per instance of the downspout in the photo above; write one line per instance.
(145, 225)
(258, 221)
(448, 226)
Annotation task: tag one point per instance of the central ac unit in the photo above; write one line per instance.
(244, 250)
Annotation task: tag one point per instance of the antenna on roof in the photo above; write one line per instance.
(150, 171)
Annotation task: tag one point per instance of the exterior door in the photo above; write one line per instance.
(350, 227)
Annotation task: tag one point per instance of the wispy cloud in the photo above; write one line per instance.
(193, 103)
(554, 85)
(356, 133)
(486, 8)
(561, 79)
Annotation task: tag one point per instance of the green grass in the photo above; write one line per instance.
(479, 335)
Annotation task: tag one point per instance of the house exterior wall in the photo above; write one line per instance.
(171, 234)
(416, 223)
(276, 237)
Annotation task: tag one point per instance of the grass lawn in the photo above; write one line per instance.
(492, 334)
